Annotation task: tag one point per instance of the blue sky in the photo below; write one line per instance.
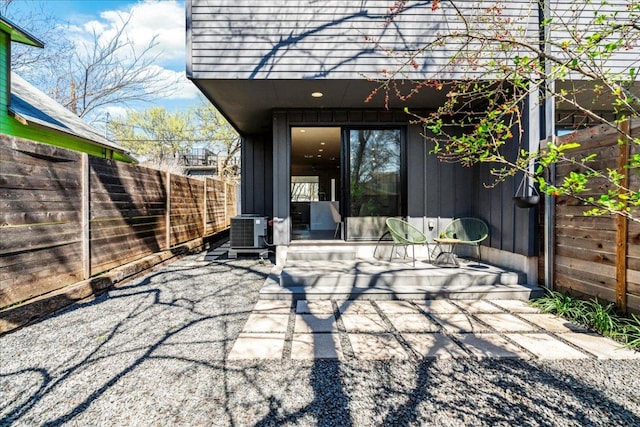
(164, 19)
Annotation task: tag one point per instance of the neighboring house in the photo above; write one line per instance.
(27, 112)
(289, 76)
(204, 162)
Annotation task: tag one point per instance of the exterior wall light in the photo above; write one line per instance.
(317, 94)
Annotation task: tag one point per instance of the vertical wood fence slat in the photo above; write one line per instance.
(622, 223)
(226, 213)
(168, 213)
(85, 212)
(204, 208)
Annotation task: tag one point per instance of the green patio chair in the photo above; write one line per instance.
(405, 234)
(467, 231)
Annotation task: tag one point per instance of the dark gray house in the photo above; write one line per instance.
(291, 77)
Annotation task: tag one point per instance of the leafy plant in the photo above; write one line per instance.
(631, 331)
(564, 306)
(593, 314)
(602, 318)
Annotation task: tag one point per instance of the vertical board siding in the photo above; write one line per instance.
(41, 224)
(40, 249)
(333, 39)
(585, 247)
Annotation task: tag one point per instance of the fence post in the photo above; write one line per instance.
(168, 211)
(622, 222)
(227, 220)
(204, 208)
(85, 217)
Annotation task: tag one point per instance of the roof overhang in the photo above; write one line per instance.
(18, 34)
(248, 104)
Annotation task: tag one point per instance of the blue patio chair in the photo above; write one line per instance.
(465, 231)
(405, 234)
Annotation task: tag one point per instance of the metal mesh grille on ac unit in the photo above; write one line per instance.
(242, 233)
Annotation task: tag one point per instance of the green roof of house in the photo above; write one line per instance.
(35, 107)
(18, 34)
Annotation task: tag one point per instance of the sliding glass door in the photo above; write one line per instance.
(375, 179)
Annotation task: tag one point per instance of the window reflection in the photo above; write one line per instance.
(374, 172)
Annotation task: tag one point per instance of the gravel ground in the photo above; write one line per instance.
(152, 352)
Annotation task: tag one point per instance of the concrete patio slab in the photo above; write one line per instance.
(257, 346)
(316, 346)
(376, 347)
(412, 322)
(434, 346)
(356, 307)
(459, 323)
(505, 322)
(478, 306)
(491, 346)
(314, 307)
(515, 306)
(272, 323)
(272, 307)
(395, 307)
(310, 323)
(552, 323)
(438, 306)
(374, 279)
(545, 346)
(601, 347)
(365, 322)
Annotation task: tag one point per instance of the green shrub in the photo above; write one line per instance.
(601, 318)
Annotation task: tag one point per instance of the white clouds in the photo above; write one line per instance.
(161, 22)
(181, 87)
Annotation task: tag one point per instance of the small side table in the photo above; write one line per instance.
(446, 258)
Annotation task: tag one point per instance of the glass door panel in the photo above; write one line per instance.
(375, 181)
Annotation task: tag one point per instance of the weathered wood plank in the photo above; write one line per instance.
(31, 237)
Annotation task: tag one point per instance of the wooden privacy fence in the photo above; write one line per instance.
(66, 216)
(599, 256)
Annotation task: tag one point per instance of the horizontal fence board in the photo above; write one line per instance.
(586, 252)
(36, 272)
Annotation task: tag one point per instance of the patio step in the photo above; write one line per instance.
(320, 253)
(379, 280)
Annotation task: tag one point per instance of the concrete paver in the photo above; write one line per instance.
(272, 307)
(432, 328)
(368, 322)
(314, 307)
(395, 307)
(477, 306)
(599, 346)
(438, 306)
(552, 323)
(316, 346)
(412, 322)
(434, 345)
(258, 322)
(515, 306)
(310, 323)
(505, 322)
(257, 346)
(356, 307)
(459, 323)
(376, 347)
(546, 346)
(491, 346)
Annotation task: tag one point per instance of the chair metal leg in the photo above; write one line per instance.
(413, 248)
